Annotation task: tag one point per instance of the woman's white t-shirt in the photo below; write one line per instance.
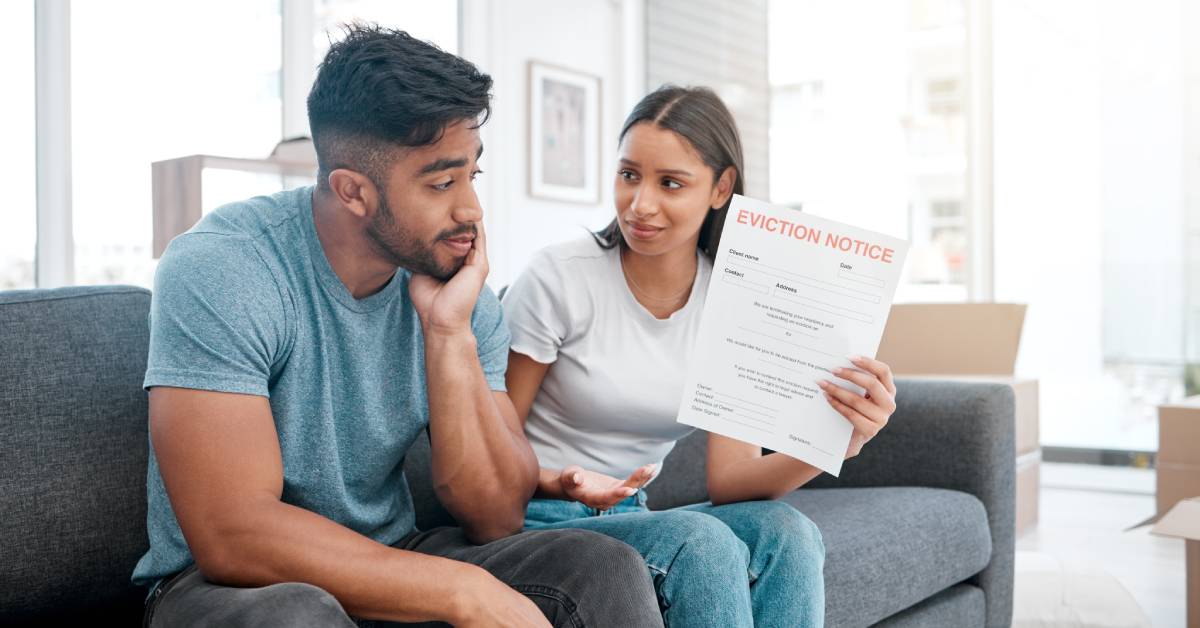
(609, 400)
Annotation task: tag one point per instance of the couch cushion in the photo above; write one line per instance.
(887, 549)
(960, 605)
(682, 480)
(73, 448)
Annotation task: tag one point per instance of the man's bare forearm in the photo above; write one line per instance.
(483, 468)
(269, 542)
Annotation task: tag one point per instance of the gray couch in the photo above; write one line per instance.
(918, 530)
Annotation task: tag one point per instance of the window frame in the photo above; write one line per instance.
(54, 255)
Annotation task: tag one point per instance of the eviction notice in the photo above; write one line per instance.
(792, 296)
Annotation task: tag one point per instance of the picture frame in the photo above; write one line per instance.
(564, 134)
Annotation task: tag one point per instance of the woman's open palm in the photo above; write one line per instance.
(600, 491)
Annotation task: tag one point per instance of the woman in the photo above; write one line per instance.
(602, 334)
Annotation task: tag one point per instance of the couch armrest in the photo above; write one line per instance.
(954, 435)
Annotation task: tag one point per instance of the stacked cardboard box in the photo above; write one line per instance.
(1177, 465)
(1183, 522)
(1177, 495)
(973, 342)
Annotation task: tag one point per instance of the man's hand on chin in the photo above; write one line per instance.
(445, 307)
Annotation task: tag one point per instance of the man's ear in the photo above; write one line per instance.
(724, 188)
(356, 192)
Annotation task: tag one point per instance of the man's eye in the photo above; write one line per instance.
(442, 187)
(475, 175)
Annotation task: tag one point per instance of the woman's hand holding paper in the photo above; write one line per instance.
(868, 413)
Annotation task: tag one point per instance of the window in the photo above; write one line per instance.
(152, 81)
(435, 21)
(868, 126)
(18, 234)
(946, 224)
(943, 97)
(1091, 213)
(158, 80)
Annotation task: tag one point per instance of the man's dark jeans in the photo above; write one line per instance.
(577, 578)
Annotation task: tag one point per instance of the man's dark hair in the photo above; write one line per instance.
(380, 90)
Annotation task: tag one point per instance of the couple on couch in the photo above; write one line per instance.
(300, 342)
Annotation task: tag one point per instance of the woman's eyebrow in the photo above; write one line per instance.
(675, 171)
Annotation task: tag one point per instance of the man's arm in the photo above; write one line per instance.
(219, 457)
(483, 469)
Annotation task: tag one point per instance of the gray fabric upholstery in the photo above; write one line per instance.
(889, 548)
(960, 605)
(73, 450)
(683, 479)
(959, 436)
(944, 434)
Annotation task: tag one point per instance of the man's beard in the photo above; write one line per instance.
(402, 249)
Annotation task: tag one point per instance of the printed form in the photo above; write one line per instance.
(792, 296)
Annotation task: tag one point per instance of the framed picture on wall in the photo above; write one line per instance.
(564, 134)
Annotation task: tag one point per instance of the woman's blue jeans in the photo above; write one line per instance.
(745, 564)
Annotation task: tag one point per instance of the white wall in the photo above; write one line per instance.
(599, 37)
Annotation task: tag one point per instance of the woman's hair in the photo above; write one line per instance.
(698, 116)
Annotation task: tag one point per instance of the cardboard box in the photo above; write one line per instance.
(1025, 399)
(1028, 479)
(965, 341)
(1174, 483)
(953, 338)
(972, 341)
(1177, 465)
(1183, 522)
(975, 342)
(1179, 432)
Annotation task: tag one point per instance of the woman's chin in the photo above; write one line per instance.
(654, 247)
(640, 248)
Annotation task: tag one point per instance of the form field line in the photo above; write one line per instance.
(746, 284)
(784, 341)
(862, 317)
(861, 278)
(869, 297)
(749, 403)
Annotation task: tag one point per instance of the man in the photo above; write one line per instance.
(301, 342)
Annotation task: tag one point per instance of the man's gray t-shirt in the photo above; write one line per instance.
(246, 302)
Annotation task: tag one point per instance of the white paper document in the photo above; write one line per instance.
(792, 296)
